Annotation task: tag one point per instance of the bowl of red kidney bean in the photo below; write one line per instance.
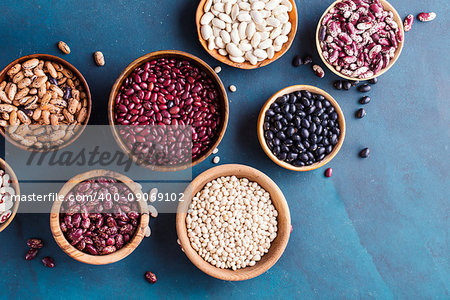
(98, 219)
(301, 128)
(360, 39)
(161, 94)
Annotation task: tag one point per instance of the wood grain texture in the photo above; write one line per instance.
(97, 259)
(288, 90)
(15, 185)
(284, 222)
(293, 18)
(387, 6)
(222, 98)
(83, 82)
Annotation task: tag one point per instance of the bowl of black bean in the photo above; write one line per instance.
(301, 128)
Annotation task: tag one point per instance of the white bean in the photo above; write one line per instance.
(206, 32)
(233, 50)
(207, 17)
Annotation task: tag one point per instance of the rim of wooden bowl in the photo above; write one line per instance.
(76, 73)
(289, 90)
(278, 245)
(293, 18)
(387, 6)
(76, 254)
(15, 184)
(223, 102)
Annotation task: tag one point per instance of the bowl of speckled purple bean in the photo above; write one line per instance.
(100, 217)
(360, 39)
(168, 110)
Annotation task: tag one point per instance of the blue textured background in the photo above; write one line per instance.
(379, 228)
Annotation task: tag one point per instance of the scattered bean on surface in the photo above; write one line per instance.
(99, 58)
(364, 100)
(364, 88)
(365, 153)
(150, 277)
(328, 172)
(360, 113)
(426, 17)
(63, 47)
(233, 88)
(48, 262)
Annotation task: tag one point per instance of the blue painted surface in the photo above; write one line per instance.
(379, 228)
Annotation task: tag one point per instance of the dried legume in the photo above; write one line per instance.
(239, 233)
(104, 223)
(6, 196)
(359, 38)
(169, 91)
(301, 128)
(246, 30)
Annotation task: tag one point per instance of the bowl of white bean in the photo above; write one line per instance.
(246, 34)
(234, 223)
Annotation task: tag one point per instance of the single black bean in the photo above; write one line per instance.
(364, 100)
(297, 121)
(338, 84)
(305, 101)
(364, 153)
(373, 80)
(270, 112)
(297, 61)
(304, 133)
(354, 82)
(346, 85)
(360, 113)
(290, 131)
(364, 88)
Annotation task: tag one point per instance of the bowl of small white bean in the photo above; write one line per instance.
(234, 223)
(246, 34)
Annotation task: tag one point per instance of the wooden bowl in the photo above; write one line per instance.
(387, 6)
(289, 90)
(279, 243)
(223, 102)
(97, 259)
(75, 71)
(15, 185)
(293, 18)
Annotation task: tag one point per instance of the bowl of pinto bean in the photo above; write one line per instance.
(360, 40)
(39, 90)
(100, 217)
(168, 110)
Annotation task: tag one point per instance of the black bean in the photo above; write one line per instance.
(270, 112)
(288, 142)
(292, 98)
(346, 85)
(269, 135)
(316, 119)
(276, 141)
(306, 94)
(364, 100)
(360, 113)
(283, 99)
(292, 156)
(373, 80)
(297, 61)
(304, 157)
(292, 108)
(328, 149)
(354, 82)
(364, 153)
(334, 139)
(270, 144)
(338, 84)
(333, 116)
(313, 147)
(330, 110)
(276, 150)
(304, 133)
(305, 101)
(364, 88)
(320, 150)
(281, 135)
(313, 128)
(297, 121)
(290, 131)
(284, 148)
(296, 138)
(305, 123)
(282, 156)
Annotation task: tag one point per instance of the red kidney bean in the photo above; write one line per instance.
(31, 254)
(150, 277)
(35, 243)
(173, 87)
(48, 262)
(328, 172)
